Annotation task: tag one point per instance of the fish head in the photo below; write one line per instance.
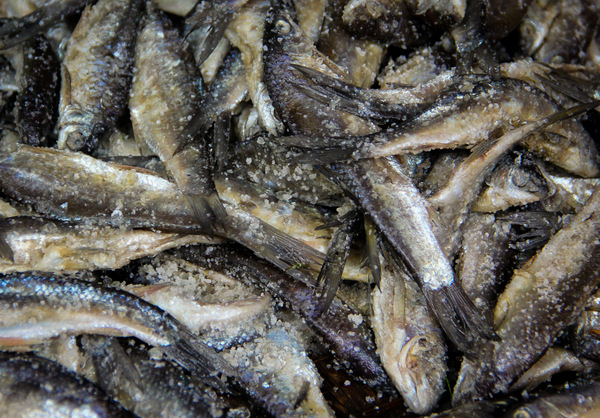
(421, 371)
(77, 131)
(282, 34)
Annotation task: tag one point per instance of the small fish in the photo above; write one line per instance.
(394, 204)
(32, 386)
(79, 307)
(455, 120)
(341, 328)
(515, 181)
(409, 341)
(543, 297)
(37, 103)
(165, 97)
(38, 244)
(483, 258)
(278, 372)
(245, 32)
(96, 73)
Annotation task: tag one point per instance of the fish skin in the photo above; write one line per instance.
(544, 296)
(146, 386)
(482, 259)
(350, 341)
(97, 72)
(16, 30)
(391, 200)
(410, 343)
(38, 244)
(165, 97)
(38, 100)
(77, 307)
(32, 386)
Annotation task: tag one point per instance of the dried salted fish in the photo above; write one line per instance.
(78, 307)
(543, 297)
(96, 73)
(409, 341)
(165, 97)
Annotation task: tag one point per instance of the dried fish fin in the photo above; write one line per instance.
(209, 210)
(317, 156)
(5, 251)
(205, 25)
(330, 275)
(459, 317)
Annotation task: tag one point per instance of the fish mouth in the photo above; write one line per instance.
(419, 376)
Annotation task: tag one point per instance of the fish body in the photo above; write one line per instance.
(410, 343)
(393, 202)
(165, 97)
(97, 73)
(78, 307)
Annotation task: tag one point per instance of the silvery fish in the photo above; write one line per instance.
(78, 307)
(409, 341)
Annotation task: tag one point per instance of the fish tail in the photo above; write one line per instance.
(208, 210)
(463, 323)
(201, 360)
(5, 251)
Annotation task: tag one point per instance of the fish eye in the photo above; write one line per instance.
(522, 414)
(75, 141)
(283, 27)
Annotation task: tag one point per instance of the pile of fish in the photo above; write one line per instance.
(201, 199)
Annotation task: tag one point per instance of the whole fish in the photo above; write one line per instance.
(84, 188)
(78, 307)
(544, 297)
(392, 201)
(96, 73)
(32, 386)
(165, 97)
(409, 341)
